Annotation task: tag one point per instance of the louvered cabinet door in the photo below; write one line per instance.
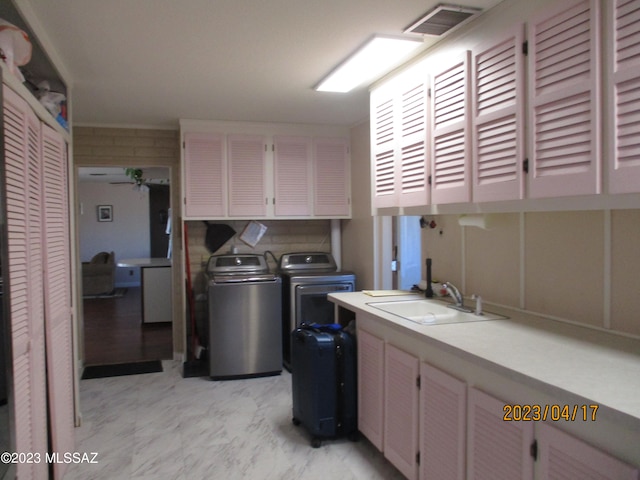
(498, 449)
(23, 277)
(293, 170)
(371, 387)
(57, 294)
(331, 177)
(564, 456)
(624, 102)
(205, 172)
(412, 157)
(401, 410)
(383, 148)
(443, 425)
(451, 138)
(564, 103)
(498, 118)
(247, 170)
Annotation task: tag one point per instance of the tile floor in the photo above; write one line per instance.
(162, 426)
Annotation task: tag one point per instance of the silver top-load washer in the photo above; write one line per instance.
(245, 313)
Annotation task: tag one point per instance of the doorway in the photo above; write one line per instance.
(123, 214)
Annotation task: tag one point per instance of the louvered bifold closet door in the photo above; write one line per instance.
(443, 425)
(563, 456)
(624, 111)
(413, 176)
(564, 101)
(247, 169)
(498, 449)
(498, 143)
(57, 294)
(401, 414)
(23, 276)
(331, 176)
(383, 148)
(451, 139)
(293, 187)
(205, 175)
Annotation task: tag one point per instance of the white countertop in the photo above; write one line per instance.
(600, 367)
(144, 262)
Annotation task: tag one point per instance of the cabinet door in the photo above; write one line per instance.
(293, 188)
(371, 387)
(383, 148)
(443, 425)
(401, 410)
(564, 103)
(563, 456)
(247, 170)
(451, 108)
(624, 102)
(205, 175)
(331, 176)
(498, 118)
(498, 449)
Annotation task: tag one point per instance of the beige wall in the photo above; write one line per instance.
(578, 266)
(137, 147)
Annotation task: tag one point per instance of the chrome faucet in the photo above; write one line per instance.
(453, 291)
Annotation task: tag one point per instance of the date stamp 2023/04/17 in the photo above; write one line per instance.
(554, 412)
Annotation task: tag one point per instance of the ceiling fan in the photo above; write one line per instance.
(137, 180)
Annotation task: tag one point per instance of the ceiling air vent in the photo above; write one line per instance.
(442, 19)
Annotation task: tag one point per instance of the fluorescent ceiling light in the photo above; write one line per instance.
(374, 58)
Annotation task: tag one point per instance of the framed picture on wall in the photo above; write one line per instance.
(105, 213)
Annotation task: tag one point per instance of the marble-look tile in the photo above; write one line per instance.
(161, 425)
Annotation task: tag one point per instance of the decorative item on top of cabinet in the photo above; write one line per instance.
(247, 175)
(564, 101)
(205, 175)
(293, 173)
(624, 98)
(331, 175)
(498, 94)
(451, 138)
(497, 448)
(399, 141)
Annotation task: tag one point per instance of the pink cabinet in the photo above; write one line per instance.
(564, 101)
(450, 128)
(205, 175)
(247, 175)
(443, 425)
(401, 410)
(623, 70)
(292, 176)
(371, 387)
(498, 142)
(331, 177)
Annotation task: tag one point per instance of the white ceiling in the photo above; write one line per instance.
(152, 62)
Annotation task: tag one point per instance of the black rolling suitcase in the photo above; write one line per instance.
(323, 381)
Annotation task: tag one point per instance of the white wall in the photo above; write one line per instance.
(127, 235)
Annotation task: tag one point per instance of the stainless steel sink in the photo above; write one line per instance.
(431, 312)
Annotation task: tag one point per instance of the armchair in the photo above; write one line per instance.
(98, 275)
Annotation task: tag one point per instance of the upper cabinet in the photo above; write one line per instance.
(451, 172)
(239, 171)
(623, 71)
(564, 96)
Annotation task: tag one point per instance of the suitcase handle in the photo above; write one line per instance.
(322, 327)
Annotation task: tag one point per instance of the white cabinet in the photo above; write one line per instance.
(399, 113)
(450, 127)
(498, 142)
(443, 425)
(401, 374)
(497, 448)
(256, 175)
(564, 456)
(623, 70)
(564, 101)
(371, 387)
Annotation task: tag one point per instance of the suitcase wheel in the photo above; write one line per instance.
(316, 442)
(295, 421)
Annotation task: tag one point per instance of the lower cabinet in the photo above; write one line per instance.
(432, 425)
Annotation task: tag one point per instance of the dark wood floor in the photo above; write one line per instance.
(114, 333)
